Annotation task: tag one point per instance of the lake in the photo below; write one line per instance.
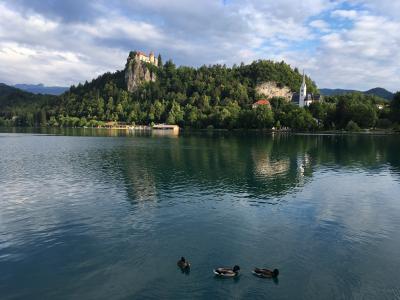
(88, 214)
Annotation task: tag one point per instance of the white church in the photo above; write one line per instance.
(304, 99)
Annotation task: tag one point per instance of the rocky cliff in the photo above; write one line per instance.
(137, 72)
(272, 89)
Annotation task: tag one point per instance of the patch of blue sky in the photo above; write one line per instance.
(351, 5)
(337, 23)
(332, 23)
(309, 46)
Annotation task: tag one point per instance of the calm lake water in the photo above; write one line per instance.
(84, 215)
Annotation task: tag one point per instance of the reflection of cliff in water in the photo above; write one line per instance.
(256, 166)
(277, 168)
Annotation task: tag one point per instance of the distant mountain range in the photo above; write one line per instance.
(380, 92)
(41, 89)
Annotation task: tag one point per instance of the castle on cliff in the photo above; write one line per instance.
(138, 71)
(151, 59)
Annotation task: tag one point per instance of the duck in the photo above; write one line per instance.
(265, 273)
(183, 264)
(227, 272)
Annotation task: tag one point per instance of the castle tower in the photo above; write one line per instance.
(303, 91)
(151, 57)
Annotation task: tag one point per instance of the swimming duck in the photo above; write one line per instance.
(227, 272)
(265, 273)
(183, 264)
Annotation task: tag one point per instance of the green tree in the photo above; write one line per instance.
(110, 108)
(191, 116)
(352, 126)
(53, 122)
(395, 108)
(264, 117)
(82, 122)
(43, 118)
(175, 115)
(160, 64)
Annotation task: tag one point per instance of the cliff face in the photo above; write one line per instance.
(271, 89)
(137, 72)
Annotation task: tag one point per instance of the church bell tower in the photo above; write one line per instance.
(303, 91)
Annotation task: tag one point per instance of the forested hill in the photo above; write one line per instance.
(12, 98)
(23, 108)
(206, 97)
(379, 92)
(187, 96)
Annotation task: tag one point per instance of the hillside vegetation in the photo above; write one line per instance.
(213, 95)
(20, 108)
(210, 96)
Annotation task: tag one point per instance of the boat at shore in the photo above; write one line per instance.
(166, 128)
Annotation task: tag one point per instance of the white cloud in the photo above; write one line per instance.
(194, 32)
(347, 14)
(35, 49)
(120, 26)
(363, 56)
(320, 25)
(31, 63)
(390, 8)
(339, 47)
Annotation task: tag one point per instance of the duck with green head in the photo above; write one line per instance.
(183, 264)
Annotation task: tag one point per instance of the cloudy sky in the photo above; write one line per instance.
(345, 44)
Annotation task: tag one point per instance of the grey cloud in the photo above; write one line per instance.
(65, 10)
(71, 41)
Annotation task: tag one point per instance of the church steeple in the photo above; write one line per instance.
(303, 91)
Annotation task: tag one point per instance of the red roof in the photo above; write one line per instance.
(262, 102)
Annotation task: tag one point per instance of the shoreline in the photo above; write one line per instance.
(242, 130)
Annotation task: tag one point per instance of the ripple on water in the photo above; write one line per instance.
(100, 218)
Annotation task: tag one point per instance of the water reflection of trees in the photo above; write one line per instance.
(256, 166)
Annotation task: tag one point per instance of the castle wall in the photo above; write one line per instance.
(144, 58)
(148, 59)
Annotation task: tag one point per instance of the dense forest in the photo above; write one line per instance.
(207, 97)
(19, 108)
